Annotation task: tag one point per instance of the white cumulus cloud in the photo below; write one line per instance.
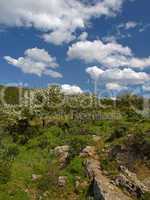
(83, 36)
(71, 89)
(111, 54)
(55, 17)
(35, 61)
(115, 87)
(58, 37)
(94, 72)
(123, 77)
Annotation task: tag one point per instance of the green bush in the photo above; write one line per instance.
(76, 166)
(43, 142)
(22, 131)
(77, 144)
(119, 132)
(12, 151)
(48, 180)
(110, 166)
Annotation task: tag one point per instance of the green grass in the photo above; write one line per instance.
(36, 157)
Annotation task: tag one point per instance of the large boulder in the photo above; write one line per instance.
(62, 181)
(102, 187)
(130, 182)
(62, 152)
(146, 183)
(89, 151)
(96, 138)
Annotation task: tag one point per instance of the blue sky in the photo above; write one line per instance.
(104, 42)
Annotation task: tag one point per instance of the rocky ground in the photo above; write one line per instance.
(101, 187)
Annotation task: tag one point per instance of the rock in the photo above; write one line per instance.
(35, 177)
(77, 183)
(96, 138)
(89, 151)
(80, 184)
(130, 182)
(132, 188)
(146, 182)
(132, 177)
(62, 152)
(102, 188)
(61, 149)
(62, 181)
(92, 167)
(113, 152)
(46, 194)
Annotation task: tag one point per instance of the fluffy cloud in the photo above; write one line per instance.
(53, 73)
(55, 17)
(113, 81)
(83, 36)
(126, 76)
(115, 87)
(94, 72)
(35, 61)
(123, 77)
(71, 89)
(140, 62)
(111, 54)
(58, 37)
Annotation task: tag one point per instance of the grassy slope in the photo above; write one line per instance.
(36, 158)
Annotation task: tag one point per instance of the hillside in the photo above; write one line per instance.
(54, 146)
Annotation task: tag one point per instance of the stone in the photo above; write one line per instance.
(46, 194)
(132, 188)
(146, 182)
(96, 138)
(130, 182)
(62, 152)
(35, 177)
(80, 184)
(77, 182)
(89, 151)
(62, 181)
(132, 177)
(102, 188)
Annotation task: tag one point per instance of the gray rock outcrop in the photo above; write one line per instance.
(102, 187)
(130, 182)
(62, 152)
(62, 181)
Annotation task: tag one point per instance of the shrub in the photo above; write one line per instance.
(110, 166)
(22, 131)
(76, 167)
(12, 151)
(119, 132)
(48, 180)
(77, 144)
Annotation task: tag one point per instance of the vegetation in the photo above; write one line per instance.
(30, 130)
